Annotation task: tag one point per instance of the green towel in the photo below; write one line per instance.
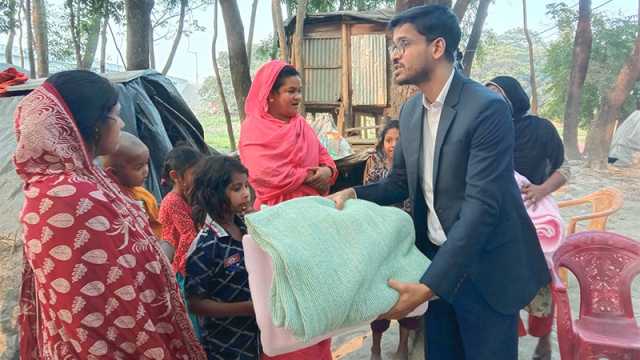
(331, 267)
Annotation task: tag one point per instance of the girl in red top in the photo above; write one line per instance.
(283, 155)
(175, 214)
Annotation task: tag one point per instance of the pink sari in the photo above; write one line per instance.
(279, 156)
(95, 284)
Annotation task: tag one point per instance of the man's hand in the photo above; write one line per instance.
(341, 197)
(533, 194)
(412, 295)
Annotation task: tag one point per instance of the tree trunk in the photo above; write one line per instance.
(298, 46)
(138, 13)
(402, 5)
(103, 40)
(93, 34)
(152, 50)
(176, 40)
(278, 24)
(240, 75)
(20, 31)
(532, 71)
(75, 35)
(12, 12)
(216, 69)
(579, 67)
(39, 18)
(460, 8)
(474, 37)
(274, 45)
(599, 136)
(446, 3)
(115, 43)
(252, 24)
(30, 50)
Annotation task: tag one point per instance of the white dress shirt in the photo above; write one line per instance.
(429, 130)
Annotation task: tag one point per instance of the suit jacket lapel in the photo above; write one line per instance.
(446, 119)
(415, 133)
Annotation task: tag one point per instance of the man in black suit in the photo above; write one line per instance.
(454, 160)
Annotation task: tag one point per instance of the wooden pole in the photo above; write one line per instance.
(346, 116)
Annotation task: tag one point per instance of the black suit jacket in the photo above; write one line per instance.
(490, 238)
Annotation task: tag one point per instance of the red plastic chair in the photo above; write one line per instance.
(604, 264)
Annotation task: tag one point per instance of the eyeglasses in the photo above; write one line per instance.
(399, 48)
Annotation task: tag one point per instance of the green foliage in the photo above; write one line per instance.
(613, 40)
(8, 10)
(320, 6)
(507, 54)
(60, 42)
(210, 100)
(165, 14)
(215, 130)
(88, 13)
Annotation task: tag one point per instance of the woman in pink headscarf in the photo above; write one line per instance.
(282, 153)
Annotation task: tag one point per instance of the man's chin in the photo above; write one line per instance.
(403, 80)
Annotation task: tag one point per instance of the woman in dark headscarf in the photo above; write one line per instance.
(538, 156)
(538, 153)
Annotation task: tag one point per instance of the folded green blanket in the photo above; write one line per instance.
(331, 267)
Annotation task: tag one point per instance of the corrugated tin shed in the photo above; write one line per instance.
(346, 67)
(369, 70)
(322, 70)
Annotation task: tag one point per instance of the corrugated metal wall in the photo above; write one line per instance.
(322, 59)
(369, 69)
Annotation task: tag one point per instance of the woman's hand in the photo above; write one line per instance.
(319, 178)
(533, 194)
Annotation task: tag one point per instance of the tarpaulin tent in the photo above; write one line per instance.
(626, 141)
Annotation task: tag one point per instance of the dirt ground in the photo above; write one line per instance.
(356, 345)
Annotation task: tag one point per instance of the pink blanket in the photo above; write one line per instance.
(546, 219)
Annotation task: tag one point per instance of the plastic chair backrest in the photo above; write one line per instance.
(604, 202)
(607, 199)
(605, 264)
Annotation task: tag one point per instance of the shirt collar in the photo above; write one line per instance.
(441, 97)
(215, 227)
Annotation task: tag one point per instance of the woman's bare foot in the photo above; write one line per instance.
(401, 355)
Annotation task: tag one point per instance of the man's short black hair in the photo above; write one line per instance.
(432, 21)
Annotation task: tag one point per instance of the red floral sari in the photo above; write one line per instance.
(95, 284)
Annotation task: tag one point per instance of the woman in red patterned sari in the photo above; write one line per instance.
(95, 284)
